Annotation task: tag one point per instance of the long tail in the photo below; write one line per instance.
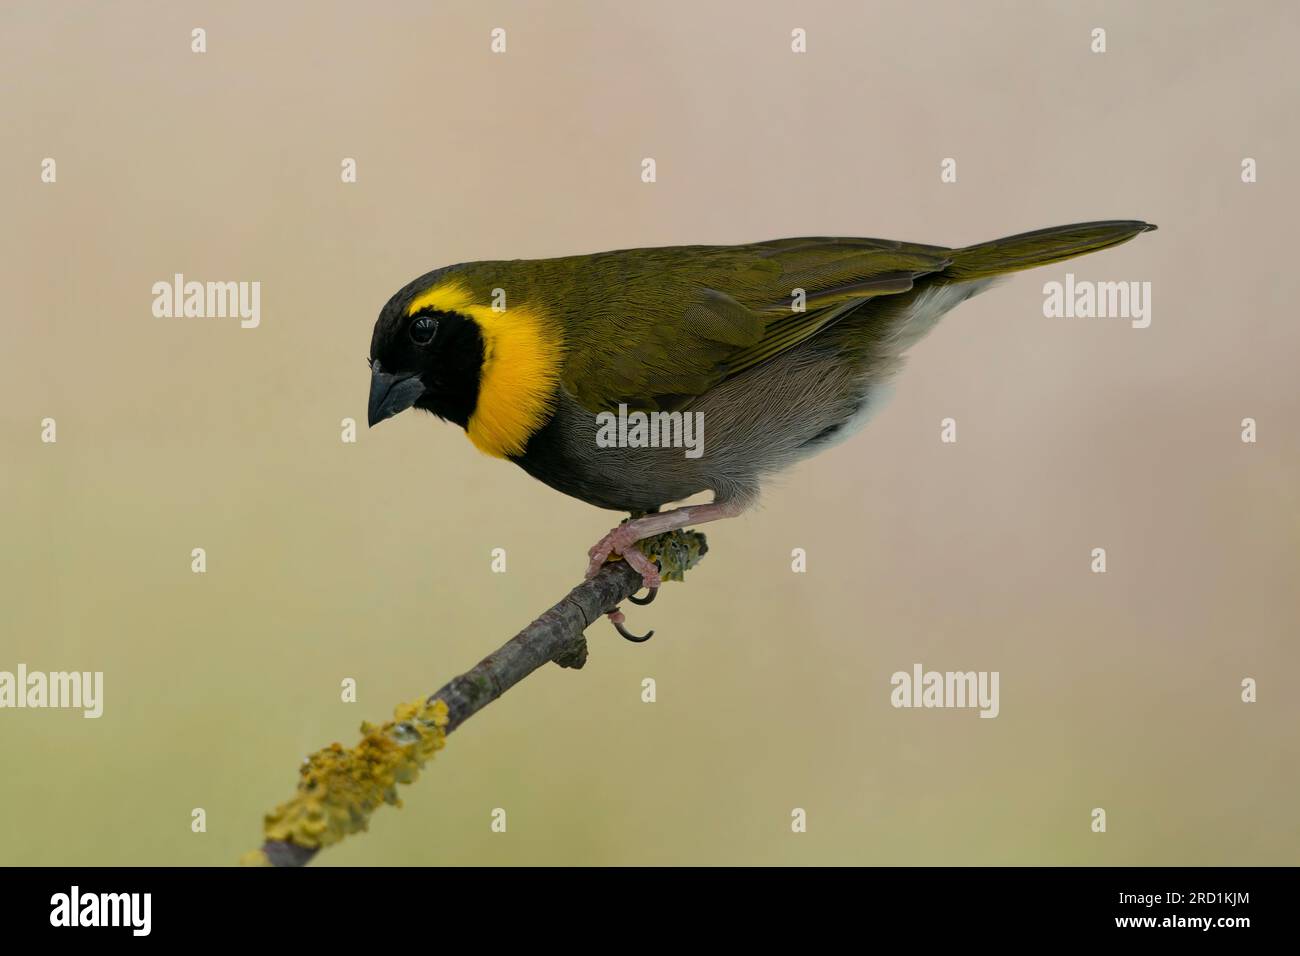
(1039, 248)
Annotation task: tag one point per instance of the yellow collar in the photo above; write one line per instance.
(521, 369)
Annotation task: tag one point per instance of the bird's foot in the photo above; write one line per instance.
(655, 547)
(621, 542)
(616, 618)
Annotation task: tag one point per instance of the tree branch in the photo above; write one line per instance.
(339, 789)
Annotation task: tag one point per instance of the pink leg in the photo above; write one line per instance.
(622, 539)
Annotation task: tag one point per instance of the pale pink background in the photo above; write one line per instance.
(372, 560)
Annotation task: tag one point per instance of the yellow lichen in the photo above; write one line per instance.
(676, 552)
(339, 788)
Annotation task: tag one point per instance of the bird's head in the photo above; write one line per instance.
(426, 353)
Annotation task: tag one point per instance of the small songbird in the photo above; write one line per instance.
(776, 350)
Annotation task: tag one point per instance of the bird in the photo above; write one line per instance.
(778, 349)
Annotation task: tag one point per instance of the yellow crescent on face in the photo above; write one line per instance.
(522, 355)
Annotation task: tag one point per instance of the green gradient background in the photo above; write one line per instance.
(372, 560)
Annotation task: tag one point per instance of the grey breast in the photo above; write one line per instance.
(748, 427)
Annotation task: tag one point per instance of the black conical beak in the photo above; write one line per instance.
(390, 394)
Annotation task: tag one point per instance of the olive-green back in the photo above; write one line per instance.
(655, 328)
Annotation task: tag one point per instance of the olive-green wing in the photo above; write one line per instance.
(672, 323)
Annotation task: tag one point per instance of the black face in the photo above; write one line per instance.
(430, 360)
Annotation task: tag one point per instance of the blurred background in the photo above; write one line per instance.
(372, 560)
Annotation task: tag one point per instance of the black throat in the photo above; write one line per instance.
(451, 382)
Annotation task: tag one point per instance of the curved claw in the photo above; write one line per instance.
(650, 596)
(629, 636)
(616, 618)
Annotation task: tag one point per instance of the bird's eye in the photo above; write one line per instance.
(423, 329)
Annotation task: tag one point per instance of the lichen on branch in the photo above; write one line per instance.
(675, 551)
(339, 789)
